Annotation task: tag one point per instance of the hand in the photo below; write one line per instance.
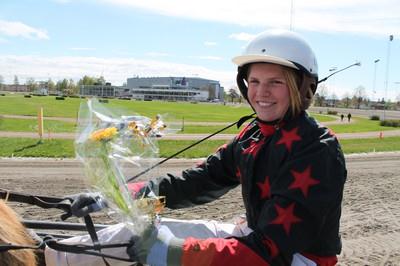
(84, 203)
(157, 246)
(140, 190)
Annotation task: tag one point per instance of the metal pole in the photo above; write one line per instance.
(340, 70)
(374, 82)
(387, 75)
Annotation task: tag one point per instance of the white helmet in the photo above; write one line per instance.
(280, 47)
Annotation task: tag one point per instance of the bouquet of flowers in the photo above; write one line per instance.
(105, 143)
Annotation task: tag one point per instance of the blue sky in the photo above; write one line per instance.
(118, 39)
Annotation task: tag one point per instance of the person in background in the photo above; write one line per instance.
(348, 117)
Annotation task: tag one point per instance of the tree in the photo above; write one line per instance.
(346, 100)
(321, 95)
(51, 85)
(71, 87)
(334, 99)
(101, 81)
(233, 93)
(16, 81)
(1, 82)
(31, 84)
(62, 86)
(398, 100)
(86, 80)
(359, 95)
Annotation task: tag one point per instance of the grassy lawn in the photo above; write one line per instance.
(323, 118)
(178, 111)
(24, 147)
(30, 125)
(359, 125)
(21, 147)
(11, 104)
(370, 145)
(182, 111)
(16, 104)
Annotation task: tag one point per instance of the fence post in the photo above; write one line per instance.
(40, 122)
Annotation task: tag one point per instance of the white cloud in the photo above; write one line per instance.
(19, 29)
(208, 43)
(115, 70)
(354, 16)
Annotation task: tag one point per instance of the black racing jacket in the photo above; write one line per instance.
(292, 179)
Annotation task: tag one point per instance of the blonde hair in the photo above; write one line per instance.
(292, 80)
(13, 232)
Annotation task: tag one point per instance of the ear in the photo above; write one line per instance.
(307, 90)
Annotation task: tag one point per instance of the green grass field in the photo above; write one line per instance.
(180, 112)
(57, 148)
(202, 112)
(31, 125)
(360, 125)
(11, 105)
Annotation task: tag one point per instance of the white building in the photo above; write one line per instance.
(173, 88)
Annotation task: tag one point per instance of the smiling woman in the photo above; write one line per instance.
(290, 168)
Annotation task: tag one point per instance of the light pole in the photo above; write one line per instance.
(374, 82)
(337, 71)
(332, 83)
(398, 97)
(387, 75)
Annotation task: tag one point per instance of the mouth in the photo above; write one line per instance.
(265, 104)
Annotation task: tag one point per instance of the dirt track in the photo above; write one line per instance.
(371, 214)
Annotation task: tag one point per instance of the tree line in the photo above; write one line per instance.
(358, 99)
(64, 86)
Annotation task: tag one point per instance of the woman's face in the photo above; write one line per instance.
(268, 92)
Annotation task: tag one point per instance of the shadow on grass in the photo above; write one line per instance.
(29, 146)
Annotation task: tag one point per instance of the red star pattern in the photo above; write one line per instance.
(288, 137)
(267, 130)
(254, 148)
(303, 180)
(286, 217)
(273, 248)
(265, 188)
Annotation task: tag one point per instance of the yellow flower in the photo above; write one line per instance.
(104, 134)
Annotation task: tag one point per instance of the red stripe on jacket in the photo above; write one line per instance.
(219, 251)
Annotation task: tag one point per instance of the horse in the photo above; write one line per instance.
(13, 232)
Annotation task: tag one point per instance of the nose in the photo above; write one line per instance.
(265, 89)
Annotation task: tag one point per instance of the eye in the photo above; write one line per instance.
(278, 82)
(253, 81)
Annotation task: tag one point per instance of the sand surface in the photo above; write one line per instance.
(370, 223)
